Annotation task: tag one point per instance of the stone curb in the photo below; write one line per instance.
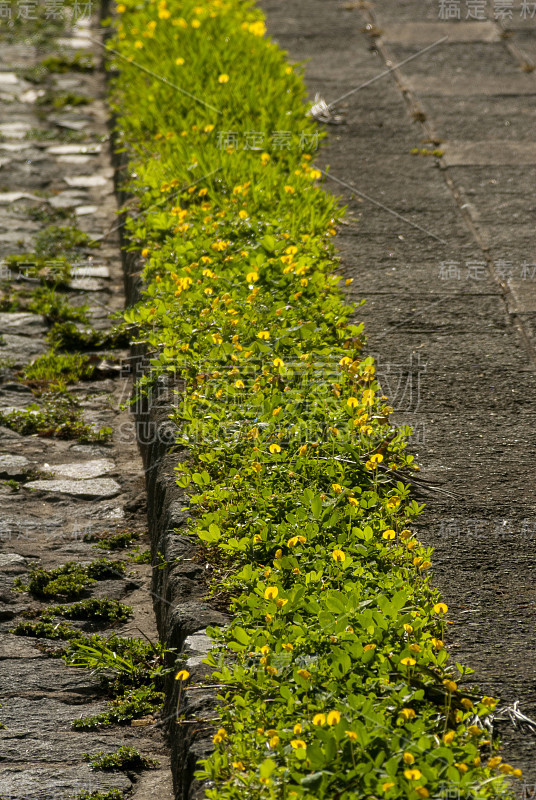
(179, 590)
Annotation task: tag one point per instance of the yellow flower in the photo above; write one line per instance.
(289, 189)
(276, 411)
(182, 675)
(274, 448)
(353, 501)
(239, 384)
(517, 773)
(352, 402)
(278, 362)
(216, 338)
(145, 252)
(195, 23)
(474, 730)
(274, 741)
(389, 534)
(408, 628)
(164, 13)
(370, 646)
(314, 174)
(412, 774)
(121, 8)
(297, 729)
(319, 719)
(298, 744)
(278, 553)
(466, 703)
(238, 765)
(257, 538)
(337, 488)
(219, 245)
(408, 713)
(289, 648)
(494, 762)
(491, 702)
(271, 592)
(257, 28)
(387, 785)
(304, 673)
(449, 685)
(408, 662)
(338, 555)
(333, 718)
(263, 335)
(251, 277)
(440, 608)
(138, 45)
(408, 758)
(422, 791)
(223, 78)
(461, 767)
(448, 737)
(415, 648)
(265, 158)
(179, 62)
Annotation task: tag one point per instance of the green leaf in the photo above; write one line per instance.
(316, 506)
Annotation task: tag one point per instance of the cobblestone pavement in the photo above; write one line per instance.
(58, 492)
(442, 247)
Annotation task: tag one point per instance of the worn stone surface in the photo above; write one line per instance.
(80, 470)
(66, 498)
(13, 466)
(97, 488)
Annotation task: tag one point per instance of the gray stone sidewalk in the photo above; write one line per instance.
(57, 493)
(442, 247)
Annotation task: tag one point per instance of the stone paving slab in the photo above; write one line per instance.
(488, 152)
(425, 33)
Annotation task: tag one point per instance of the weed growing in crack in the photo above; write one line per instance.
(80, 62)
(52, 366)
(98, 610)
(140, 557)
(55, 308)
(70, 580)
(132, 671)
(45, 630)
(132, 704)
(124, 758)
(59, 416)
(115, 541)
